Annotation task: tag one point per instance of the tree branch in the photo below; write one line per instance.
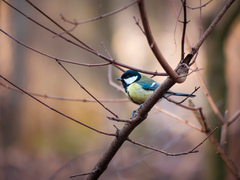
(153, 45)
(208, 31)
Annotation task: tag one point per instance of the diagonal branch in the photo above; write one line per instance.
(153, 45)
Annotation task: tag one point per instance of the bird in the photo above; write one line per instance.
(139, 87)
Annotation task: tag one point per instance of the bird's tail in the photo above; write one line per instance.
(171, 93)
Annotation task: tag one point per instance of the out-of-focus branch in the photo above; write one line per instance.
(210, 100)
(66, 98)
(99, 17)
(224, 155)
(179, 119)
(58, 25)
(234, 117)
(164, 152)
(49, 107)
(195, 49)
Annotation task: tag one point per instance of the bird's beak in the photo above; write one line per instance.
(119, 79)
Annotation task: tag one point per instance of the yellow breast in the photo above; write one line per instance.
(137, 94)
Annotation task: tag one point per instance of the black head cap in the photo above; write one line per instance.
(128, 74)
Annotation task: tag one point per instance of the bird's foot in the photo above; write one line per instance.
(135, 111)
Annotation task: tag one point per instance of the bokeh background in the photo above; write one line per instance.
(37, 143)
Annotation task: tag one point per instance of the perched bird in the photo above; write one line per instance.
(139, 87)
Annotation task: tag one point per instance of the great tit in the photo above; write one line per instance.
(139, 87)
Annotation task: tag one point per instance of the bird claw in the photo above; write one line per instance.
(135, 111)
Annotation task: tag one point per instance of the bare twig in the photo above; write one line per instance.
(179, 119)
(90, 94)
(198, 112)
(224, 155)
(67, 98)
(210, 100)
(101, 16)
(81, 174)
(184, 27)
(137, 23)
(173, 154)
(234, 117)
(110, 72)
(59, 26)
(120, 120)
(201, 6)
(161, 151)
(49, 107)
(153, 44)
(180, 102)
(53, 57)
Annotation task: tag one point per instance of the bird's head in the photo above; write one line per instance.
(129, 77)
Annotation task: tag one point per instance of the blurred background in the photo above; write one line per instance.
(37, 143)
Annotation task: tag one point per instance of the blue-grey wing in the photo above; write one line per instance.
(150, 87)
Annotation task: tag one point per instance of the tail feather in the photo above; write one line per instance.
(171, 93)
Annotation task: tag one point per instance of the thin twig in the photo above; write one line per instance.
(81, 174)
(234, 117)
(173, 154)
(180, 102)
(90, 94)
(200, 7)
(184, 27)
(53, 57)
(151, 41)
(100, 16)
(161, 151)
(224, 155)
(209, 134)
(120, 120)
(210, 100)
(137, 23)
(198, 112)
(49, 107)
(110, 80)
(178, 118)
(59, 26)
(67, 98)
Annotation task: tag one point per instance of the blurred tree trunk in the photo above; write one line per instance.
(9, 100)
(218, 87)
(232, 51)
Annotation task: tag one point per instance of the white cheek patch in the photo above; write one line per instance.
(130, 80)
